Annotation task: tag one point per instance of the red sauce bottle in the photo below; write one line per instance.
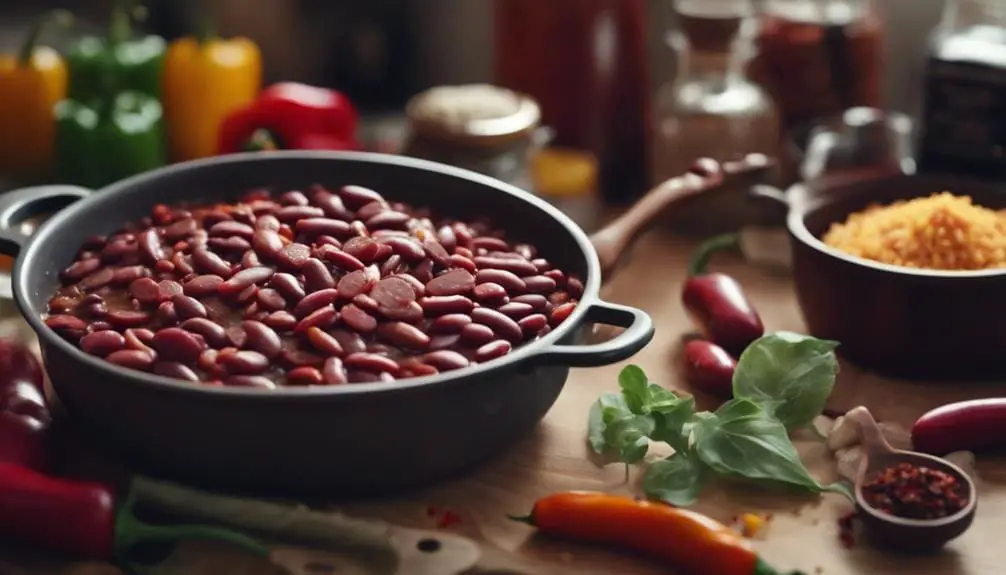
(585, 62)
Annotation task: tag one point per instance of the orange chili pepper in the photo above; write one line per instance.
(684, 540)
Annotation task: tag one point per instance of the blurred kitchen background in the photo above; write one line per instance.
(601, 70)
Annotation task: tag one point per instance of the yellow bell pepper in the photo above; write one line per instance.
(205, 79)
(31, 83)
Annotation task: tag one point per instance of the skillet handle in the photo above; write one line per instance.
(23, 204)
(638, 332)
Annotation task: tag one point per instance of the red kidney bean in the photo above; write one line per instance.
(210, 263)
(437, 252)
(518, 266)
(366, 303)
(532, 324)
(287, 285)
(558, 298)
(164, 267)
(290, 214)
(187, 307)
(244, 362)
(323, 317)
(333, 372)
(80, 269)
(236, 336)
(442, 305)
(332, 205)
(539, 284)
(244, 279)
(393, 292)
(180, 230)
(267, 222)
(231, 228)
(493, 350)
(411, 313)
(298, 357)
(139, 338)
(370, 210)
(407, 248)
(231, 244)
(145, 290)
(315, 301)
(350, 341)
(574, 287)
(294, 198)
(356, 197)
(450, 323)
(304, 375)
(182, 262)
(132, 359)
(709, 368)
(357, 319)
(355, 283)
(475, 334)
(560, 313)
(175, 370)
(124, 318)
(388, 219)
(97, 280)
(213, 333)
(557, 275)
(363, 248)
(444, 341)
(516, 310)
(102, 343)
(445, 360)
(167, 289)
(508, 280)
(489, 292)
(150, 245)
(262, 338)
(270, 300)
(293, 256)
(424, 271)
(371, 362)
(490, 243)
(403, 335)
(340, 259)
(176, 344)
(316, 276)
(254, 381)
(452, 282)
(504, 327)
(267, 243)
(282, 320)
(202, 286)
(324, 226)
(324, 342)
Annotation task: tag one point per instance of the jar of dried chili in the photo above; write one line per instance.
(819, 57)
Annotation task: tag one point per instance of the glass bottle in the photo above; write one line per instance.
(711, 108)
(963, 124)
(585, 62)
(819, 57)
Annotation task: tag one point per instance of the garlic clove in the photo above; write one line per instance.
(845, 433)
(848, 460)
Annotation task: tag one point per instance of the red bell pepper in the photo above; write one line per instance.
(291, 116)
(80, 519)
(24, 414)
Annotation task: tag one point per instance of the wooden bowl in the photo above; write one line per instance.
(902, 322)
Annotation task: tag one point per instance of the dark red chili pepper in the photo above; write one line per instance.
(24, 415)
(709, 368)
(291, 116)
(975, 425)
(716, 302)
(80, 518)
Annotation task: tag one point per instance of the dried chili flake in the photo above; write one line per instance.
(915, 492)
(847, 529)
(432, 511)
(448, 519)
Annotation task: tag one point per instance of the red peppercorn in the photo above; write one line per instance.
(915, 492)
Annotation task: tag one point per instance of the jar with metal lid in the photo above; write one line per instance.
(479, 127)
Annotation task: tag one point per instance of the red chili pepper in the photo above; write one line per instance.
(294, 117)
(974, 425)
(24, 415)
(685, 540)
(709, 368)
(716, 302)
(80, 518)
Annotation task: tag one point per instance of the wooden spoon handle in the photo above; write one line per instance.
(705, 176)
(872, 437)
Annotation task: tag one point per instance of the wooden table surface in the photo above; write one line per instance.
(802, 534)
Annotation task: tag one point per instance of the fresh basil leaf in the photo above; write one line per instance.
(670, 424)
(595, 428)
(635, 388)
(790, 374)
(628, 434)
(676, 480)
(744, 440)
(660, 399)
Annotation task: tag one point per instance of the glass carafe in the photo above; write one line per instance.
(711, 109)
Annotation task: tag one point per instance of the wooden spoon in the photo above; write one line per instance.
(915, 535)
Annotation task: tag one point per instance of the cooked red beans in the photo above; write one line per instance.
(323, 288)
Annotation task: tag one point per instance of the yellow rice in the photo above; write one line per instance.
(943, 232)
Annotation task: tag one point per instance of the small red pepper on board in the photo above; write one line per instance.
(709, 368)
(291, 116)
(24, 415)
(716, 302)
(684, 540)
(80, 518)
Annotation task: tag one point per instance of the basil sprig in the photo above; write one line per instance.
(782, 381)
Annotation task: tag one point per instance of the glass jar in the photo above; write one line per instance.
(819, 57)
(585, 62)
(478, 127)
(963, 124)
(711, 109)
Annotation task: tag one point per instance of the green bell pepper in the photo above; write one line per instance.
(102, 66)
(117, 138)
